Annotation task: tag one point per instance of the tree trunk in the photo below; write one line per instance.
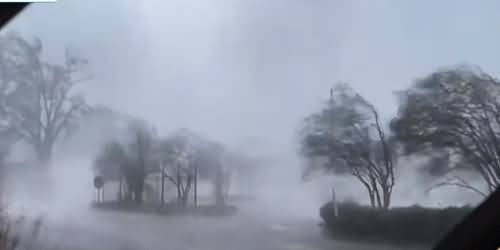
(120, 189)
(129, 192)
(162, 193)
(386, 198)
(42, 188)
(219, 188)
(366, 184)
(376, 192)
(44, 154)
(195, 187)
(178, 184)
(140, 189)
(138, 195)
(187, 188)
(372, 198)
(226, 184)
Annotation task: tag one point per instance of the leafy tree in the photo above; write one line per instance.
(110, 162)
(44, 103)
(132, 160)
(141, 161)
(348, 133)
(454, 111)
(180, 158)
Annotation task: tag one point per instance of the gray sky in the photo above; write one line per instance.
(253, 68)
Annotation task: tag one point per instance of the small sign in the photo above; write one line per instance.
(98, 182)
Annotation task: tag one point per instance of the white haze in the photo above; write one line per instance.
(246, 72)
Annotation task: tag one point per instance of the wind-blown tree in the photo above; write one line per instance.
(141, 150)
(348, 133)
(9, 69)
(8, 86)
(44, 105)
(243, 167)
(209, 160)
(177, 155)
(454, 111)
(132, 160)
(187, 156)
(109, 164)
(97, 127)
(6, 143)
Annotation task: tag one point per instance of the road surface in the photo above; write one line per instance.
(106, 230)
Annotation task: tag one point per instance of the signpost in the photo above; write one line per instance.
(99, 186)
(335, 207)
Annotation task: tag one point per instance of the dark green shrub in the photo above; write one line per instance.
(405, 225)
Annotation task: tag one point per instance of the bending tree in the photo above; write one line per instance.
(110, 162)
(210, 162)
(8, 86)
(178, 153)
(141, 161)
(454, 111)
(133, 160)
(348, 133)
(43, 104)
(187, 156)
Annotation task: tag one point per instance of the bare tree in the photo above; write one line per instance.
(454, 111)
(186, 157)
(44, 103)
(349, 134)
(8, 87)
(179, 158)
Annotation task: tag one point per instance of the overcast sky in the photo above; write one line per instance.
(235, 69)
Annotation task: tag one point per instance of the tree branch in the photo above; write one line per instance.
(457, 182)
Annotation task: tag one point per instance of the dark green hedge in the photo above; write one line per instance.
(404, 225)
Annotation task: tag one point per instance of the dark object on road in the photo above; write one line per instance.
(398, 225)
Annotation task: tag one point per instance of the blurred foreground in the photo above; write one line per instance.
(249, 229)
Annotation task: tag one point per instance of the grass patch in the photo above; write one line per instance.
(398, 225)
(17, 232)
(167, 209)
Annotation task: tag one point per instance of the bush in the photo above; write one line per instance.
(403, 225)
(16, 233)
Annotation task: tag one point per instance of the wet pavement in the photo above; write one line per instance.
(248, 230)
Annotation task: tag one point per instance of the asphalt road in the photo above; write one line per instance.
(248, 230)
